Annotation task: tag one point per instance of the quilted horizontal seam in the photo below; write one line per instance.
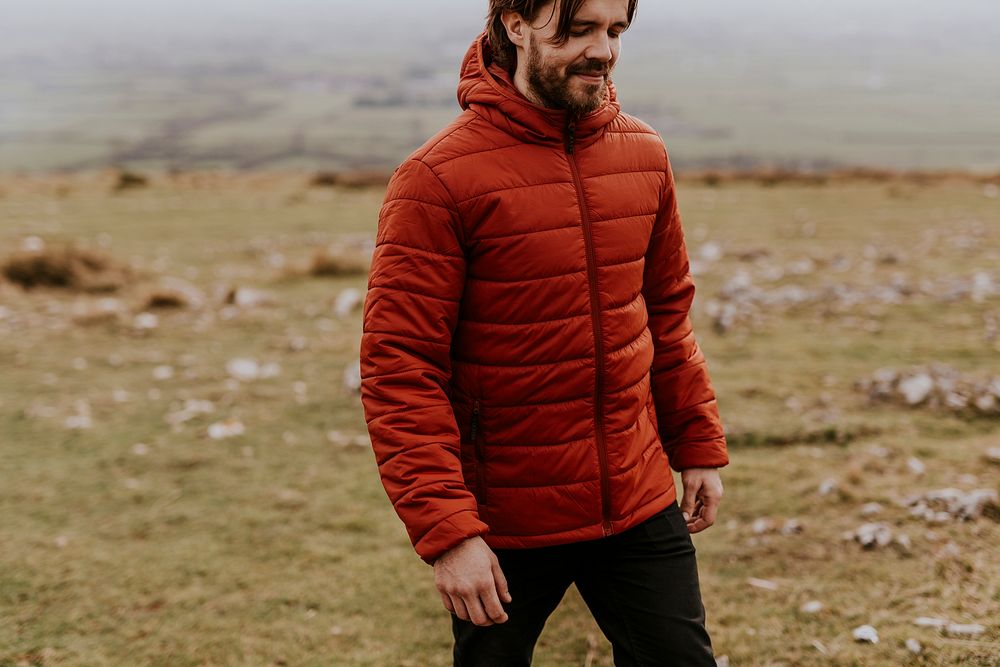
(410, 291)
(557, 275)
(512, 187)
(622, 173)
(485, 150)
(564, 443)
(526, 280)
(551, 363)
(648, 134)
(626, 387)
(399, 335)
(555, 319)
(410, 448)
(413, 247)
(419, 201)
(525, 232)
(521, 404)
(651, 214)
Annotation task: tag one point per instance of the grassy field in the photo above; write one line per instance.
(141, 540)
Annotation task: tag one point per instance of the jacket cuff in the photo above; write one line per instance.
(699, 454)
(449, 533)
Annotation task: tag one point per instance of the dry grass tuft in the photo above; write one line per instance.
(173, 293)
(333, 261)
(130, 180)
(357, 179)
(68, 267)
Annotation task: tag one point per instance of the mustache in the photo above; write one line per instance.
(592, 67)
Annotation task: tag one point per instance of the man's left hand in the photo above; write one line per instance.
(702, 495)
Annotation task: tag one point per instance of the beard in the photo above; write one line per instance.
(555, 90)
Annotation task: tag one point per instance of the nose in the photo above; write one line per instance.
(600, 48)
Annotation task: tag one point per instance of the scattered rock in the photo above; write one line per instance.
(247, 297)
(865, 633)
(811, 607)
(869, 509)
(227, 428)
(916, 466)
(943, 505)
(145, 322)
(992, 455)
(964, 629)
(827, 486)
(248, 370)
(192, 408)
(347, 301)
(937, 387)
(913, 646)
(766, 584)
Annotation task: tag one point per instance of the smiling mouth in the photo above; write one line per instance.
(592, 78)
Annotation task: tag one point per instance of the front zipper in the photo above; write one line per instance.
(595, 316)
(480, 454)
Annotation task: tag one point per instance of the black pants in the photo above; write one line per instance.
(641, 585)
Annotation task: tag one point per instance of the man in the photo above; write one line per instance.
(529, 370)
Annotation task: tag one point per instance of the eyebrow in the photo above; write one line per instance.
(579, 23)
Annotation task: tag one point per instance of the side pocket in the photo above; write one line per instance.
(476, 435)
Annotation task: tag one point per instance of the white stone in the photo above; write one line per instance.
(811, 607)
(917, 388)
(348, 299)
(916, 466)
(766, 584)
(227, 428)
(965, 629)
(145, 321)
(868, 509)
(865, 633)
(913, 646)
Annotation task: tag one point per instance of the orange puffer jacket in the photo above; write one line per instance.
(527, 359)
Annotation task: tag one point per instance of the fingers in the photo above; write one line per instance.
(501, 582)
(459, 606)
(492, 607)
(476, 612)
(689, 497)
(704, 514)
(446, 600)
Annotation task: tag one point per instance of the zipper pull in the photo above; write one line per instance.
(570, 135)
(475, 420)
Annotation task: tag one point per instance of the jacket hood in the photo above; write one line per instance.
(488, 89)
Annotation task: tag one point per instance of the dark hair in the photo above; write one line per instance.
(504, 51)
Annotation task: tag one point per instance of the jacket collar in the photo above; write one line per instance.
(488, 89)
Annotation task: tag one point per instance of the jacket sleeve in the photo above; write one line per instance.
(415, 285)
(686, 411)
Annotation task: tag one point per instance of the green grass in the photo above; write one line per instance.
(277, 547)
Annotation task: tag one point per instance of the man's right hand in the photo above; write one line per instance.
(471, 584)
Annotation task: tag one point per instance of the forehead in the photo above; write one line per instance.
(602, 11)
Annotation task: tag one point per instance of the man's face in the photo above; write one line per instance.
(574, 75)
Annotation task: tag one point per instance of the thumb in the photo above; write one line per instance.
(501, 582)
(688, 502)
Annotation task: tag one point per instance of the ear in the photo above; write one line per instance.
(515, 25)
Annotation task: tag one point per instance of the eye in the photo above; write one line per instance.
(580, 33)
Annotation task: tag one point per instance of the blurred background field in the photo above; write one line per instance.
(187, 479)
(188, 201)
